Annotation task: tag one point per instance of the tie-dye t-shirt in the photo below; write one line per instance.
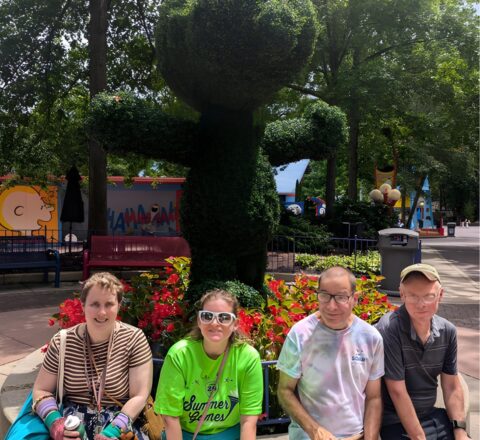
(332, 368)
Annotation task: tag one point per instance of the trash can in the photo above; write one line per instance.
(398, 249)
(451, 229)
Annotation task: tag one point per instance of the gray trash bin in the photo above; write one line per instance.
(451, 229)
(398, 248)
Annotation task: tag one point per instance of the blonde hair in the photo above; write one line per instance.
(104, 280)
(211, 295)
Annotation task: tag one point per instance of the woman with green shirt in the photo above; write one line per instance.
(188, 380)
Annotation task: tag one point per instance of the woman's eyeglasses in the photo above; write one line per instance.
(224, 318)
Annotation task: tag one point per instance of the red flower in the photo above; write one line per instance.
(170, 327)
(364, 316)
(172, 279)
(363, 278)
(51, 322)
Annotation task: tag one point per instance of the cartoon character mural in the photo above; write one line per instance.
(26, 209)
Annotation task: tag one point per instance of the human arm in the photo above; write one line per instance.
(454, 401)
(47, 408)
(248, 427)
(173, 429)
(139, 386)
(405, 409)
(290, 403)
(373, 409)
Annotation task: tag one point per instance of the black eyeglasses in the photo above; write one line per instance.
(224, 318)
(324, 298)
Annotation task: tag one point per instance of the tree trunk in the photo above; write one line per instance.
(353, 121)
(97, 183)
(404, 208)
(330, 186)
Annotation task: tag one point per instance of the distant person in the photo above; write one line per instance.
(330, 367)
(211, 365)
(419, 347)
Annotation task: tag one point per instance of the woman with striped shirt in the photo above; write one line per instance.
(107, 370)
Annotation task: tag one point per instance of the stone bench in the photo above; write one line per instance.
(20, 381)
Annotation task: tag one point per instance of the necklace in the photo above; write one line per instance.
(96, 380)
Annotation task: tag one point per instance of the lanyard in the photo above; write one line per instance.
(101, 378)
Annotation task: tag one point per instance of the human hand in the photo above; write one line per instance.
(71, 435)
(320, 433)
(101, 437)
(57, 429)
(460, 434)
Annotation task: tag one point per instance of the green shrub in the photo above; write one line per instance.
(308, 238)
(247, 296)
(368, 262)
(371, 217)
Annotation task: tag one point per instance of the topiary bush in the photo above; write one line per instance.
(225, 59)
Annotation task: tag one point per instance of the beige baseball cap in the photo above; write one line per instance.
(429, 271)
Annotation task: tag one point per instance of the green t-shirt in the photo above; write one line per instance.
(188, 375)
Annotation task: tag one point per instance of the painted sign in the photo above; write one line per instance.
(29, 210)
(144, 210)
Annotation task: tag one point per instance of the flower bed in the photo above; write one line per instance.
(156, 303)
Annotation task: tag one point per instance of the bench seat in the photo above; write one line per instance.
(29, 252)
(132, 251)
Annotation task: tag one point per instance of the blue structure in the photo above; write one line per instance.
(287, 178)
(423, 218)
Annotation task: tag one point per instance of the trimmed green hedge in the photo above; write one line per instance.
(365, 263)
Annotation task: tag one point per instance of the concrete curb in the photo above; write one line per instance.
(19, 383)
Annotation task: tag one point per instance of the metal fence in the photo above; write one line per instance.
(282, 249)
(267, 368)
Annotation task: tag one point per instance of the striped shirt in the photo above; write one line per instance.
(130, 349)
(419, 365)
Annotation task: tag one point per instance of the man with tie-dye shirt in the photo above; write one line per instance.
(330, 368)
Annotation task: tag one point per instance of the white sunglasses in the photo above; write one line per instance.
(223, 318)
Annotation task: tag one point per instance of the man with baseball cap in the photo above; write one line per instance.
(419, 347)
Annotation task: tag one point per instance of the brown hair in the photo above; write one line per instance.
(211, 295)
(104, 280)
(336, 271)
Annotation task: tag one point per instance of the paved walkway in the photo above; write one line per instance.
(25, 309)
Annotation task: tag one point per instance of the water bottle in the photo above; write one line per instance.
(73, 423)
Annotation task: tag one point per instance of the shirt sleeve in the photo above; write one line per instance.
(50, 363)
(171, 388)
(450, 361)
(378, 365)
(140, 351)
(394, 363)
(251, 384)
(289, 360)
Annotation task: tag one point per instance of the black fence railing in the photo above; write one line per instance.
(282, 249)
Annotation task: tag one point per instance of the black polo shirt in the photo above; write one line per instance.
(419, 365)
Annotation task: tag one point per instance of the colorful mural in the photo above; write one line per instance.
(28, 210)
